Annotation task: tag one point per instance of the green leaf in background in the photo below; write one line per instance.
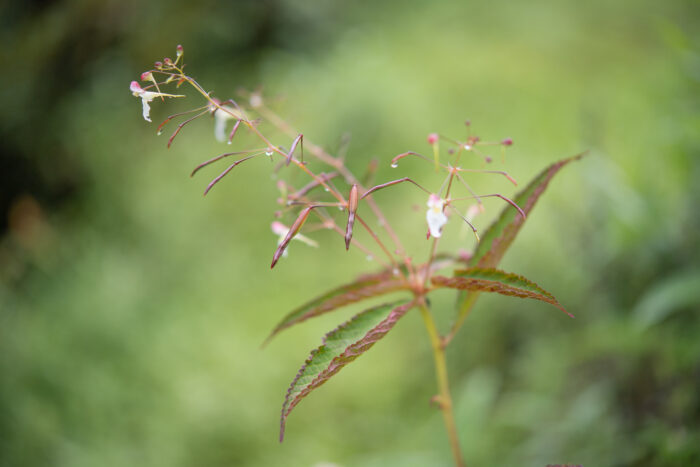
(340, 347)
(364, 287)
(678, 292)
(499, 236)
(494, 280)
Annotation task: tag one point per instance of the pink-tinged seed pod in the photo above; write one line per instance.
(353, 201)
(433, 138)
(179, 50)
(297, 140)
(507, 142)
(294, 229)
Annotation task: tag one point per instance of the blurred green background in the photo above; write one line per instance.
(132, 309)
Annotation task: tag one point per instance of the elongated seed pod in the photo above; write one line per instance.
(353, 201)
(297, 140)
(293, 230)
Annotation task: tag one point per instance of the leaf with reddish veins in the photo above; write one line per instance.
(499, 236)
(340, 347)
(364, 287)
(494, 280)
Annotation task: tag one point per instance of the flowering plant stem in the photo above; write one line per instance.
(443, 400)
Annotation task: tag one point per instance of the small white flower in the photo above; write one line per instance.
(282, 230)
(435, 216)
(221, 117)
(146, 97)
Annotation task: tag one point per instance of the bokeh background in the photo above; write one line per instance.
(132, 309)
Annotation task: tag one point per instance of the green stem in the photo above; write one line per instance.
(444, 398)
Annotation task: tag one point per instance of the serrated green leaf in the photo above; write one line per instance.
(502, 232)
(500, 235)
(340, 347)
(494, 280)
(367, 286)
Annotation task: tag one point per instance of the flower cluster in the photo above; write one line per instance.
(169, 72)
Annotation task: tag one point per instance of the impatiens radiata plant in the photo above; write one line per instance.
(334, 199)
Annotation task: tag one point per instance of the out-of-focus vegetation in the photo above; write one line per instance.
(132, 310)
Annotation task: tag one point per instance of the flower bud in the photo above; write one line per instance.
(507, 142)
(158, 65)
(146, 76)
(167, 61)
(432, 138)
(179, 50)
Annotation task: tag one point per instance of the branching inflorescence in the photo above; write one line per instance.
(334, 197)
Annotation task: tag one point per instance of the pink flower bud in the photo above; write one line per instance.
(433, 138)
(146, 76)
(158, 65)
(507, 142)
(167, 61)
(179, 50)
(135, 87)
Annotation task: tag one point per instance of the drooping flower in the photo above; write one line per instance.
(147, 97)
(435, 216)
(222, 114)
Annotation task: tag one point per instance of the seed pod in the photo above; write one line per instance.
(293, 230)
(353, 201)
(297, 140)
